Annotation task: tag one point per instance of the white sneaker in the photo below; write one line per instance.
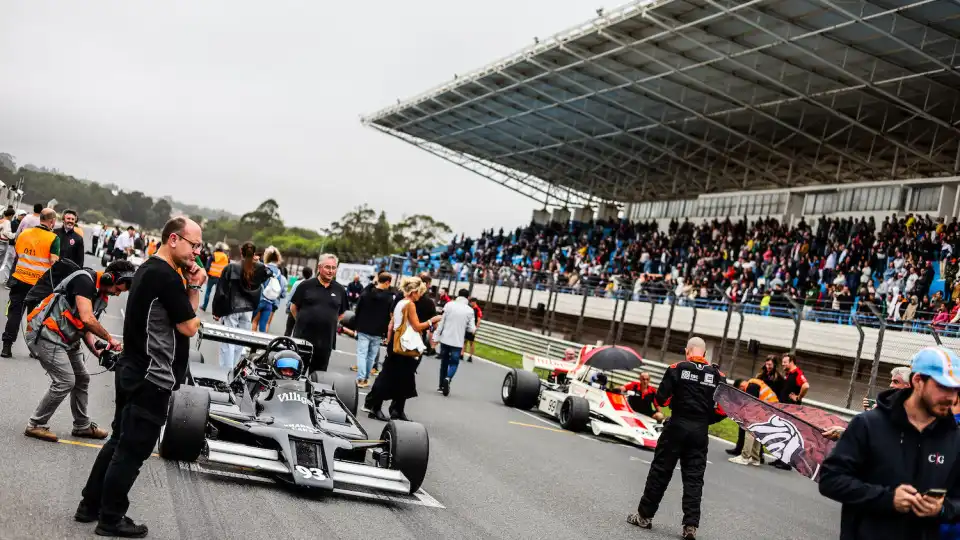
(740, 460)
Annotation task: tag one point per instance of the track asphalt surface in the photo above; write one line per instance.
(494, 472)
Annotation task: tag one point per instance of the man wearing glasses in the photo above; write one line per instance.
(318, 305)
(160, 320)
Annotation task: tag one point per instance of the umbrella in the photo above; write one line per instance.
(609, 358)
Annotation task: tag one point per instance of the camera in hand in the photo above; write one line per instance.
(108, 358)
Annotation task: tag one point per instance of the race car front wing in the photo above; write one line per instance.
(308, 465)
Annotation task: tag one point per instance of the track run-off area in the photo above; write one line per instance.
(494, 472)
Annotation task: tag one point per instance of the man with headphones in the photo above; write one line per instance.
(56, 326)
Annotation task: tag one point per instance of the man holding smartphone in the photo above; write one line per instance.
(896, 469)
(160, 320)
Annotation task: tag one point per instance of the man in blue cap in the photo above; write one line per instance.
(896, 469)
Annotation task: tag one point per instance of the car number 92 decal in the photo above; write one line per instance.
(308, 473)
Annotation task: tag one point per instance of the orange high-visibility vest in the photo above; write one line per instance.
(151, 249)
(220, 261)
(33, 254)
(766, 393)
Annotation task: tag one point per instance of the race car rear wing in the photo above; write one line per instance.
(531, 362)
(248, 338)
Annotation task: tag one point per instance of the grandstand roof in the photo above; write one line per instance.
(675, 98)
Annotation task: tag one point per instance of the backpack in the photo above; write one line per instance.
(272, 288)
(60, 271)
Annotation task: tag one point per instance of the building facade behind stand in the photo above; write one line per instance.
(937, 197)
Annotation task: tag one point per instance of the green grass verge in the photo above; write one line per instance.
(500, 356)
(725, 429)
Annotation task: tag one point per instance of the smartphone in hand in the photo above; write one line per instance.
(936, 493)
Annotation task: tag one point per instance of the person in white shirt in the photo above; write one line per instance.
(6, 234)
(124, 244)
(456, 322)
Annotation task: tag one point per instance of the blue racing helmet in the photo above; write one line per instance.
(287, 365)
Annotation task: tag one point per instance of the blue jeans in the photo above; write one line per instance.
(230, 354)
(449, 361)
(367, 348)
(211, 283)
(264, 309)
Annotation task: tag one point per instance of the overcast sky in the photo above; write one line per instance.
(227, 103)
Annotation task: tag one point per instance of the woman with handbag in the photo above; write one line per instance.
(397, 381)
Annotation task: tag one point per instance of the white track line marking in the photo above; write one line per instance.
(422, 498)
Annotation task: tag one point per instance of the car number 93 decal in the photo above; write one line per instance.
(312, 472)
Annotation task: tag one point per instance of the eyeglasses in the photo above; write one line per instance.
(328, 267)
(195, 246)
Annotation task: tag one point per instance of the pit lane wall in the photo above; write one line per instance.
(826, 351)
(824, 339)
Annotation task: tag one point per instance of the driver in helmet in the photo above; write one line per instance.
(287, 365)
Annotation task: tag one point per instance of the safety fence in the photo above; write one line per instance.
(526, 342)
(846, 355)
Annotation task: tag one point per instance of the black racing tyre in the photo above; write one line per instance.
(521, 389)
(409, 447)
(184, 434)
(574, 414)
(344, 386)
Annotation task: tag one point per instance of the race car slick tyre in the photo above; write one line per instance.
(344, 386)
(184, 434)
(521, 389)
(409, 447)
(574, 414)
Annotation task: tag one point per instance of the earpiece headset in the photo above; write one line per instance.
(108, 279)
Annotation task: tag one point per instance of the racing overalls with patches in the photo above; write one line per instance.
(54, 319)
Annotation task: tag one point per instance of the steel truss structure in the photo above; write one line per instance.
(676, 98)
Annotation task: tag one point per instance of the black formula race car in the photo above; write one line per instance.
(301, 430)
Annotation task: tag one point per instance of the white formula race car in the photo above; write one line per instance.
(576, 394)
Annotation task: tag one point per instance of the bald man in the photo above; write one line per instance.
(161, 318)
(37, 249)
(688, 386)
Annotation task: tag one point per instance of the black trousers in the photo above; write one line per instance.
(320, 359)
(141, 412)
(688, 445)
(18, 292)
(291, 322)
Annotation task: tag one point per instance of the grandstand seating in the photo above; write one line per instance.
(833, 267)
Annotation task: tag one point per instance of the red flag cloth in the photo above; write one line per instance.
(790, 433)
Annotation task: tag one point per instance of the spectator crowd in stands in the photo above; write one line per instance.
(833, 267)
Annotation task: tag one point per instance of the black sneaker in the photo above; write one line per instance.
(639, 521)
(126, 528)
(6, 352)
(85, 514)
(689, 532)
(734, 451)
(445, 387)
(469, 359)
(781, 465)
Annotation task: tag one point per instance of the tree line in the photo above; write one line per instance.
(361, 234)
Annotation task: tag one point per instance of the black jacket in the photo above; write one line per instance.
(373, 312)
(232, 295)
(689, 388)
(71, 245)
(881, 450)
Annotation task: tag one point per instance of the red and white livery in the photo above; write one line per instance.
(576, 395)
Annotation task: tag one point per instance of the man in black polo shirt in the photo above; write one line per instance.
(160, 320)
(71, 243)
(318, 305)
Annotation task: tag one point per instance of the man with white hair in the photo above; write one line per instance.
(318, 305)
(689, 385)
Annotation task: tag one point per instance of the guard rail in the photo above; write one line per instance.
(525, 342)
